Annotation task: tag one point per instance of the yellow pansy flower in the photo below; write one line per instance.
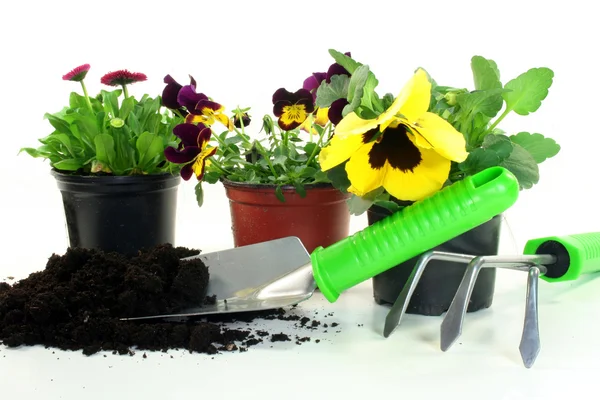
(406, 149)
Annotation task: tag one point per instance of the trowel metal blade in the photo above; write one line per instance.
(262, 276)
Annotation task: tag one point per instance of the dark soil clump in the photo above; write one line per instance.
(280, 337)
(77, 301)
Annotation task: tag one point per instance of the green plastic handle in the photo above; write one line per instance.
(576, 255)
(415, 229)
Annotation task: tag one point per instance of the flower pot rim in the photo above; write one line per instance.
(69, 176)
(247, 185)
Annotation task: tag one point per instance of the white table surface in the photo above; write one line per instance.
(356, 363)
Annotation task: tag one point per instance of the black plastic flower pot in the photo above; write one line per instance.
(123, 214)
(441, 279)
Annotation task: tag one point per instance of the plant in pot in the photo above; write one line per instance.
(107, 155)
(391, 151)
(272, 178)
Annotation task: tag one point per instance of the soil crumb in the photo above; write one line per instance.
(78, 300)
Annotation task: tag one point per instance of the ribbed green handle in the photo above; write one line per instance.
(576, 255)
(413, 230)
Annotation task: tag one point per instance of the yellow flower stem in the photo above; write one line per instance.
(87, 97)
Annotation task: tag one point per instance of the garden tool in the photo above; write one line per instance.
(553, 259)
(280, 273)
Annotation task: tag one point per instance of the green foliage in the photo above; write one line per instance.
(279, 158)
(109, 135)
(476, 113)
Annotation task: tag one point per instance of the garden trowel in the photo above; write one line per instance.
(280, 273)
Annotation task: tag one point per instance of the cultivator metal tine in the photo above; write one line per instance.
(530, 338)
(451, 327)
(400, 305)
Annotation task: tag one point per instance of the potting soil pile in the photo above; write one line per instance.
(77, 301)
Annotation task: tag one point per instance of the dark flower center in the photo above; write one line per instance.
(395, 147)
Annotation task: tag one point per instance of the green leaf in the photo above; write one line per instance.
(279, 194)
(310, 147)
(523, 166)
(127, 107)
(488, 102)
(356, 89)
(111, 103)
(211, 177)
(134, 124)
(300, 189)
(479, 160)
(199, 194)
(59, 124)
(339, 177)
(105, 148)
(308, 172)
(485, 74)
(149, 146)
(540, 147)
(388, 205)
(69, 164)
(348, 63)
(37, 153)
(77, 101)
(279, 160)
(327, 93)
(528, 90)
(369, 98)
(499, 143)
(495, 149)
(358, 205)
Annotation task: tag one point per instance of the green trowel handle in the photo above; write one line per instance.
(415, 229)
(576, 255)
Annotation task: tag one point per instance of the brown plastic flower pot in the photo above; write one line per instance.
(119, 213)
(321, 218)
(441, 279)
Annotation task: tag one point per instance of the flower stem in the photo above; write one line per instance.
(125, 92)
(500, 118)
(314, 152)
(262, 150)
(87, 97)
(217, 165)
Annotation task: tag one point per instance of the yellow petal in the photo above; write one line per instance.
(339, 150)
(322, 117)
(199, 163)
(415, 96)
(436, 133)
(194, 118)
(424, 180)
(225, 121)
(352, 124)
(412, 101)
(362, 176)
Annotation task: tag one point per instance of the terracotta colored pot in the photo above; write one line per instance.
(321, 218)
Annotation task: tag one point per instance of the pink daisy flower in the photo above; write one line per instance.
(77, 74)
(122, 77)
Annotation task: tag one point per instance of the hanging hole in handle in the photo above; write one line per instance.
(487, 176)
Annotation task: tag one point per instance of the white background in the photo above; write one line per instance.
(240, 52)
